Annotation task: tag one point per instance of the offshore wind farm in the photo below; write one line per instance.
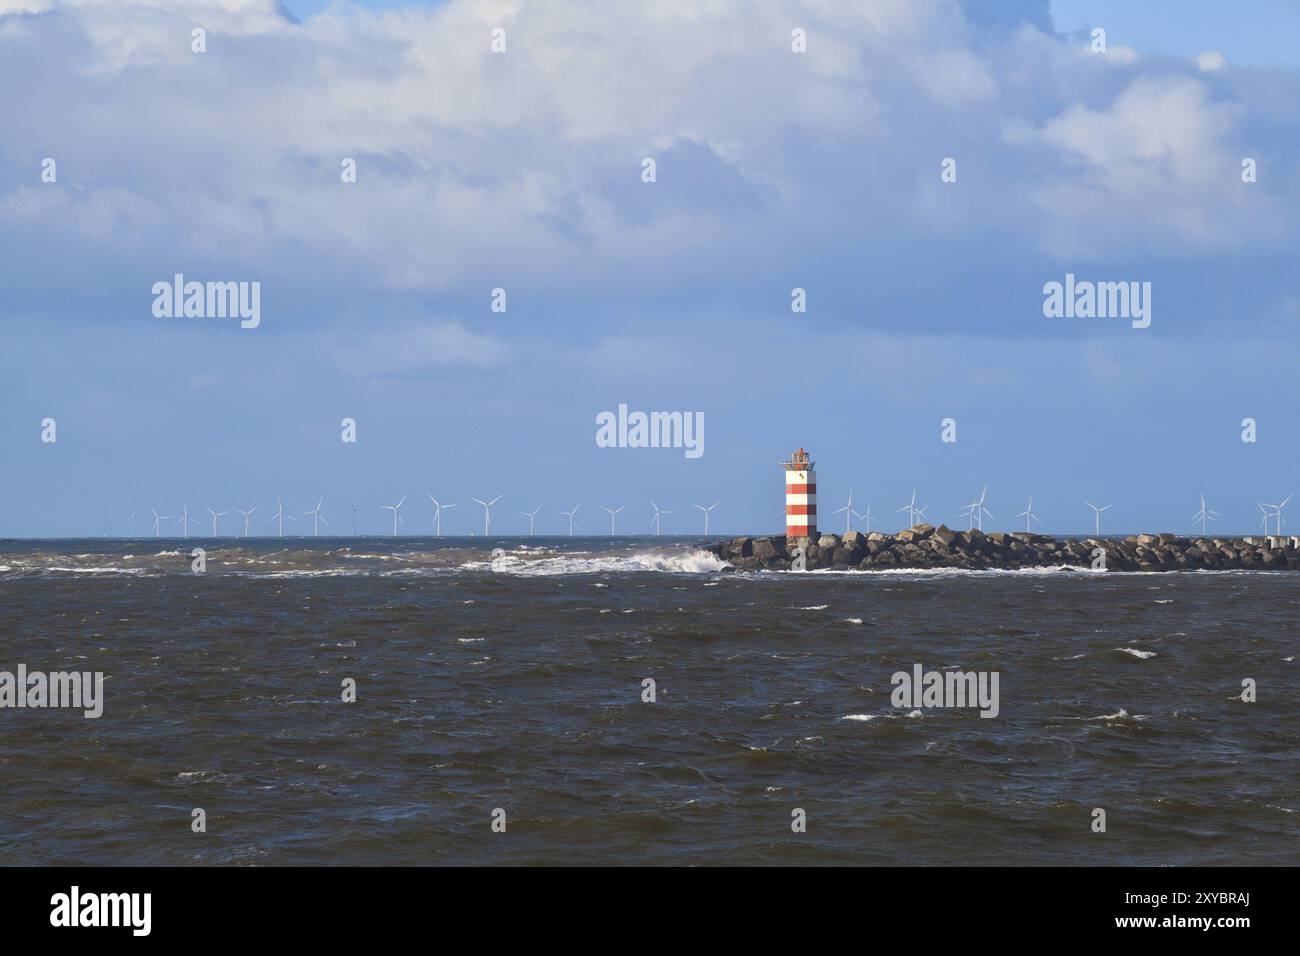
(802, 501)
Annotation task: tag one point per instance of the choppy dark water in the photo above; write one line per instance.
(517, 684)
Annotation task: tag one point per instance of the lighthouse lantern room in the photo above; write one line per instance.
(800, 496)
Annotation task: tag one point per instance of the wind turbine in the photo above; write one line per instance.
(612, 513)
(397, 513)
(1205, 514)
(437, 514)
(353, 506)
(570, 514)
(487, 512)
(279, 516)
(976, 511)
(867, 515)
(183, 519)
(1098, 511)
(131, 518)
(215, 516)
(1277, 513)
(658, 513)
(157, 518)
(1028, 514)
(848, 512)
(706, 514)
(531, 515)
(913, 512)
(317, 518)
(246, 515)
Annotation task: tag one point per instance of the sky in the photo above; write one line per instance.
(523, 171)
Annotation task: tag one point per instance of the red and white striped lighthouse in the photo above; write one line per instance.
(800, 496)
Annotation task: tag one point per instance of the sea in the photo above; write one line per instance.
(630, 701)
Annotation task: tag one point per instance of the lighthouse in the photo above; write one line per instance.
(800, 496)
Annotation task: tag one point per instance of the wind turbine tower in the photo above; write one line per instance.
(658, 513)
(317, 518)
(612, 513)
(215, 516)
(1098, 513)
(247, 514)
(531, 516)
(1028, 515)
(706, 514)
(1205, 514)
(397, 513)
(279, 517)
(848, 513)
(184, 519)
(569, 515)
(487, 512)
(438, 509)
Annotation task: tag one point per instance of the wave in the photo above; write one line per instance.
(693, 562)
(1120, 714)
(1143, 655)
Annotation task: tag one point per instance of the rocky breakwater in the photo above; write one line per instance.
(925, 546)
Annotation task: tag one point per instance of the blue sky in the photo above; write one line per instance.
(522, 170)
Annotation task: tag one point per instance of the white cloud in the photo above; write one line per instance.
(1211, 61)
(472, 164)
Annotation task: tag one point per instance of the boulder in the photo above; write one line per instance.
(767, 549)
(741, 547)
(828, 541)
(944, 536)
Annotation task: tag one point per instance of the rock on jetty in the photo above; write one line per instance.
(925, 546)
